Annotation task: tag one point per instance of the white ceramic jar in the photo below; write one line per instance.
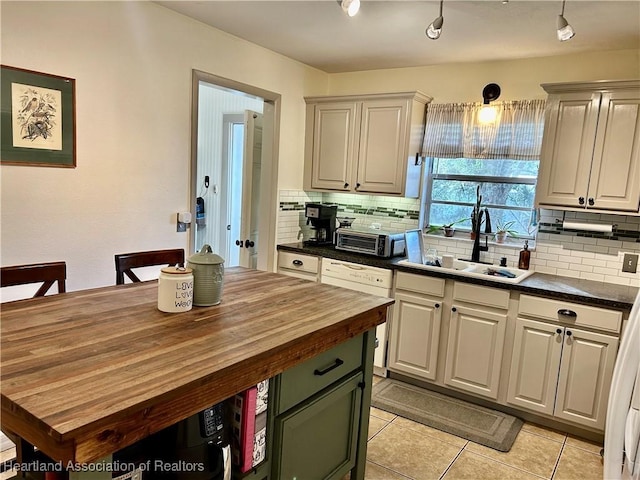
(175, 289)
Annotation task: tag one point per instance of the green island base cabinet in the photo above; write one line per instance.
(547, 360)
(319, 416)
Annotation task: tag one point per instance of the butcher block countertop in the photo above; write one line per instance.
(87, 373)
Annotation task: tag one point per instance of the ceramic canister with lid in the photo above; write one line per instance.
(175, 289)
(208, 276)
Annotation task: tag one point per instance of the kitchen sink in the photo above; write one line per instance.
(464, 268)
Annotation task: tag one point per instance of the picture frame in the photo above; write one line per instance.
(37, 119)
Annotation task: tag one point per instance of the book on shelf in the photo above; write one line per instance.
(249, 425)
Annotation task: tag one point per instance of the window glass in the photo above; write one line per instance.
(507, 188)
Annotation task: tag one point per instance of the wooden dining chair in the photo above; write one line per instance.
(126, 261)
(47, 273)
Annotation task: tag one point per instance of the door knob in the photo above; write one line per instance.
(248, 243)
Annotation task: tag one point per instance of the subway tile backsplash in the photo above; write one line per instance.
(577, 254)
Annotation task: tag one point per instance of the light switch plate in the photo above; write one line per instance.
(630, 263)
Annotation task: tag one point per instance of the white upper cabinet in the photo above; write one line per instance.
(590, 156)
(365, 144)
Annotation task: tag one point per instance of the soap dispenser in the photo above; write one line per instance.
(525, 256)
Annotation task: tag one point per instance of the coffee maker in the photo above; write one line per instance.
(322, 218)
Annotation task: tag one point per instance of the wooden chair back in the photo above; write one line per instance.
(47, 273)
(126, 261)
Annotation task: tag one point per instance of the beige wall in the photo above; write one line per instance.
(132, 62)
(519, 79)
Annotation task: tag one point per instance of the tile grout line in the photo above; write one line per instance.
(555, 468)
(453, 461)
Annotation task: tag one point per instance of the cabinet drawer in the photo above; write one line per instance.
(298, 262)
(420, 284)
(491, 297)
(308, 378)
(587, 316)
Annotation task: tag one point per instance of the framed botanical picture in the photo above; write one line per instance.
(37, 119)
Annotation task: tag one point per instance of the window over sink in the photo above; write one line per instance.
(501, 157)
(507, 188)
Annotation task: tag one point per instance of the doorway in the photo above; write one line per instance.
(234, 170)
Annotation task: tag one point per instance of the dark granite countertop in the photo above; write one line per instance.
(552, 286)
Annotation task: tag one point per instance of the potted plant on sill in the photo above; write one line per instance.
(503, 230)
(447, 228)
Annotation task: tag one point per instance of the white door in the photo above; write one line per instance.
(415, 335)
(474, 350)
(251, 187)
(585, 377)
(534, 365)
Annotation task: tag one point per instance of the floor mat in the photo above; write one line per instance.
(482, 425)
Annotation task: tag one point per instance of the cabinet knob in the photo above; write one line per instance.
(454, 309)
(591, 201)
(558, 331)
(248, 243)
(569, 333)
(239, 243)
(581, 200)
(357, 186)
(437, 305)
(346, 185)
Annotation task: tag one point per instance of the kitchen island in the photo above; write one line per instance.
(87, 373)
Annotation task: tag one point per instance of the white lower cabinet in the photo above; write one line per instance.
(475, 343)
(414, 338)
(561, 370)
(415, 335)
(474, 350)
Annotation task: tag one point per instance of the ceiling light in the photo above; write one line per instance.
(488, 114)
(435, 28)
(350, 7)
(565, 31)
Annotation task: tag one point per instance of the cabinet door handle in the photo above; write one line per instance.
(437, 305)
(581, 200)
(591, 201)
(326, 370)
(558, 331)
(357, 186)
(569, 333)
(454, 309)
(565, 312)
(346, 185)
(297, 263)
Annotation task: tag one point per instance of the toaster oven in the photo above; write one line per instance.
(370, 242)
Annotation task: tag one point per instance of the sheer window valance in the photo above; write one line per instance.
(454, 131)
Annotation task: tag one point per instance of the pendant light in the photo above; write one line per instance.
(488, 114)
(565, 31)
(435, 28)
(350, 7)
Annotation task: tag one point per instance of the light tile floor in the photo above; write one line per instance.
(402, 449)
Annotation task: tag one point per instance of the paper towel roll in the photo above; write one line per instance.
(589, 227)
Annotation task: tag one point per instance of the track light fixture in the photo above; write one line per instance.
(488, 114)
(435, 28)
(350, 7)
(565, 31)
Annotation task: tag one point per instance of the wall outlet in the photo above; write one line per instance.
(630, 263)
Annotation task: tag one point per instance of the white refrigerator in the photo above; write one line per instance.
(622, 431)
